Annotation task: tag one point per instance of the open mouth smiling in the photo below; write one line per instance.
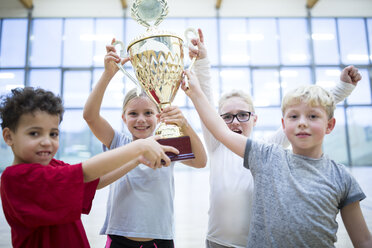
(141, 128)
(43, 153)
(237, 131)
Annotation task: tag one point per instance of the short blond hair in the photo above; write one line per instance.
(236, 93)
(313, 95)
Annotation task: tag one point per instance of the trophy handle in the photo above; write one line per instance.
(188, 42)
(121, 67)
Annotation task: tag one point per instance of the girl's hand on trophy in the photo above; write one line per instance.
(173, 115)
(193, 84)
(201, 52)
(111, 58)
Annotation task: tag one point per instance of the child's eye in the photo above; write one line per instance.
(149, 113)
(293, 116)
(132, 113)
(54, 134)
(227, 117)
(313, 116)
(33, 134)
(243, 115)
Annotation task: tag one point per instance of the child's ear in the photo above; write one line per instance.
(283, 125)
(255, 117)
(123, 117)
(7, 135)
(330, 125)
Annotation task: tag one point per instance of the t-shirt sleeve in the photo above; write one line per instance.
(89, 193)
(257, 155)
(352, 190)
(118, 140)
(248, 147)
(36, 195)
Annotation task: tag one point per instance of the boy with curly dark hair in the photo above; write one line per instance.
(43, 198)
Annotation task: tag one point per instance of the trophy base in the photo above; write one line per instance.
(182, 144)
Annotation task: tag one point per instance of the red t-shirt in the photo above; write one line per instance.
(43, 204)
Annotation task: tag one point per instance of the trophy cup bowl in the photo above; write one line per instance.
(158, 66)
(157, 59)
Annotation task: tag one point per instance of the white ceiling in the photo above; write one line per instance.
(191, 8)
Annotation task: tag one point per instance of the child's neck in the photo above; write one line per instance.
(310, 153)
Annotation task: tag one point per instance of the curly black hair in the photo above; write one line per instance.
(28, 100)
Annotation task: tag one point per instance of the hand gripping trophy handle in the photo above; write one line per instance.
(188, 43)
(121, 67)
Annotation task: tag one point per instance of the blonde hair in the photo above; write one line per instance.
(236, 93)
(132, 94)
(312, 95)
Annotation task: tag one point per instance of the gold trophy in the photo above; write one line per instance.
(157, 59)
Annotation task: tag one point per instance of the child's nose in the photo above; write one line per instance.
(235, 120)
(46, 141)
(141, 118)
(302, 121)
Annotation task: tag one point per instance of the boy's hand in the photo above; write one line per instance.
(350, 75)
(173, 115)
(154, 155)
(111, 58)
(201, 52)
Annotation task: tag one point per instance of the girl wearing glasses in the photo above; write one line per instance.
(231, 184)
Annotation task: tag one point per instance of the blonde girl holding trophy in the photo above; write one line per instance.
(231, 185)
(140, 204)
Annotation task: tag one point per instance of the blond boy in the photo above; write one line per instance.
(297, 195)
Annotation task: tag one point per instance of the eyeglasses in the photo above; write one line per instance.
(243, 116)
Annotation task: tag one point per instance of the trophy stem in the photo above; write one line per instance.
(164, 105)
(168, 131)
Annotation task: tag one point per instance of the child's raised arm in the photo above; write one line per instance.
(235, 142)
(349, 79)
(147, 151)
(99, 126)
(202, 69)
(356, 225)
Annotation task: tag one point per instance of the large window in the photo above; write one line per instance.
(13, 42)
(262, 56)
(46, 43)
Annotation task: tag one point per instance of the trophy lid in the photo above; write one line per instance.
(145, 11)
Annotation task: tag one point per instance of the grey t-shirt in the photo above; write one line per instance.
(296, 198)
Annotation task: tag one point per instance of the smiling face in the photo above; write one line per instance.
(36, 138)
(305, 127)
(233, 106)
(140, 117)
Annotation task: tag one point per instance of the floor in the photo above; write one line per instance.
(191, 208)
